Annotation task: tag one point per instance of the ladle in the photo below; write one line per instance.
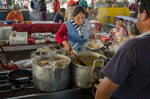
(77, 58)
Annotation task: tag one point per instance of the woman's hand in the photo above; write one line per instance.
(67, 46)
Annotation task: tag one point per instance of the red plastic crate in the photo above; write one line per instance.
(31, 40)
(104, 38)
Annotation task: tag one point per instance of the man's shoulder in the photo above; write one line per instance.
(134, 42)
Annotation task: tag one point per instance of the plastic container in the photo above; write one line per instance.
(104, 38)
(29, 22)
(5, 32)
(21, 38)
(9, 21)
(31, 40)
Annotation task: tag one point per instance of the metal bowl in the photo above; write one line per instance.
(94, 46)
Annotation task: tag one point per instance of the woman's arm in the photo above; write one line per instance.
(9, 16)
(61, 40)
(61, 33)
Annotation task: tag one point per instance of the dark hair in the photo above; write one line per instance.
(77, 10)
(62, 10)
(121, 19)
(144, 5)
(15, 8)
(134, 30)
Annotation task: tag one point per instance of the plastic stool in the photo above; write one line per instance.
(107, 19)
(108, 22)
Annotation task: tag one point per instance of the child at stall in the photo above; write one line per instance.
(119, 32)
(133, 32)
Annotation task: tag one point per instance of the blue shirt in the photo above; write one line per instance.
(58, 17)
(130, 68)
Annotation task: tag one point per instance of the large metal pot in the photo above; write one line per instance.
(52, 78)
(86, 76)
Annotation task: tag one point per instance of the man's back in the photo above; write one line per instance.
(58, 17)
(134, 73)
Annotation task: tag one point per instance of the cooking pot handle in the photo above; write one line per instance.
(98, 61)
(59, 61)
(63, 67)
(94, 65)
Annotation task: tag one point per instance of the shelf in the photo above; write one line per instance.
(27, 47)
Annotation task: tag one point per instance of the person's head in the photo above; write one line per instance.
(119, 24)
(133, 31)
(79, 14)
(143, 17)
(62, 12)
(15, 10)
(121, 19)
(35, 0)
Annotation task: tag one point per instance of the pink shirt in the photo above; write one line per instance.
(121, 32)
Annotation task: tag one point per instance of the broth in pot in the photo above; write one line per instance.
(88, 60)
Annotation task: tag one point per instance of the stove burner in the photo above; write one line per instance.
(17, 87)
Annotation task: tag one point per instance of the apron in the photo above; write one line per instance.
(74, 38)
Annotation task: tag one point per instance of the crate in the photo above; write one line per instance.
(31, 40)
(104, 38)
(5, 32)
(21, 38)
